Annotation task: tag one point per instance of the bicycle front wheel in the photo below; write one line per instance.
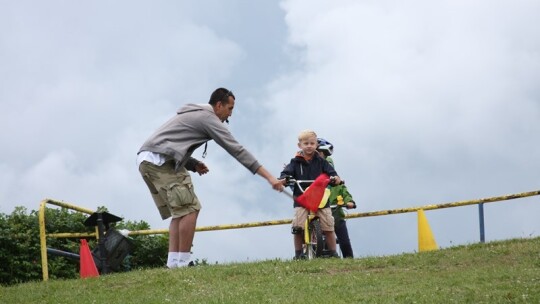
(317, 240)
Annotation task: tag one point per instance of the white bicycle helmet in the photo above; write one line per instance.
(325, 146)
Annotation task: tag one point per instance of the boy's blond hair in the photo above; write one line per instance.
(306, 134)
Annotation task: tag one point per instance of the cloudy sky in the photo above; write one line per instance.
(426, 102)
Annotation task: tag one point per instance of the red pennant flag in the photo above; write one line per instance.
(88, 267)
(311, 198)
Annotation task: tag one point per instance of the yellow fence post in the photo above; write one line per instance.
(43, 232)
(43, 241)
(426, 241)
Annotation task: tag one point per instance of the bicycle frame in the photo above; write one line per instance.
(313, 240)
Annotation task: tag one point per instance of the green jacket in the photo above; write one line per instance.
(339, 213)
(335, 191)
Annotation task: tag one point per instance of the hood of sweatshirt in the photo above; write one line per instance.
(301, 157)
(190, 107)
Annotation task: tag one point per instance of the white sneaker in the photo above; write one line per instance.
(182, 263)
(172, 265)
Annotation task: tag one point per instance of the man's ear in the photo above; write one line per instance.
(218, 105)
(299, 146)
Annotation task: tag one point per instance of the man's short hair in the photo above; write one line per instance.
(220, 94)
(306, 134)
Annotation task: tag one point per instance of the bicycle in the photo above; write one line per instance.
(314, 241)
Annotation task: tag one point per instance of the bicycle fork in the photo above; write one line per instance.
(309, 245)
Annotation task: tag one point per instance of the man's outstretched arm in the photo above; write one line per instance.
(276, 184)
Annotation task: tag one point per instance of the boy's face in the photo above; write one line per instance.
(308, 145)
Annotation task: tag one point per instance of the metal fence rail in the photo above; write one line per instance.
(43, 234)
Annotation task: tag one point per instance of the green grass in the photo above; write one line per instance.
(498, 272)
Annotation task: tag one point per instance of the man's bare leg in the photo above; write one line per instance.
(186, 231)
(181, 235)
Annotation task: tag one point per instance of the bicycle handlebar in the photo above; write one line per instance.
(342, 206)
(290, 181)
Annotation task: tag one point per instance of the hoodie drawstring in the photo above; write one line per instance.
(204, 152)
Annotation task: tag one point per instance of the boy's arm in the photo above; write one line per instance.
(329, 169)
(288, 170)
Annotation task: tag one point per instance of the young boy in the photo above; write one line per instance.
(326, 149)
(308, 165)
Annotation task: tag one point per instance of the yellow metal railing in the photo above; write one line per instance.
(447, 205)
(246, 225)
(42, 232)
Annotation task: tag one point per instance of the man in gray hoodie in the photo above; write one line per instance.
(165, 158)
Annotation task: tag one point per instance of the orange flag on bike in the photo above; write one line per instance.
(311, 198)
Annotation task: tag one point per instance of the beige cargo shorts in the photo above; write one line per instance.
(325, 218)
(171, 191)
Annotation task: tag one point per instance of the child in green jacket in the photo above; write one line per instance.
(339, 198)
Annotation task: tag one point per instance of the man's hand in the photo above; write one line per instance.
(276, 183)
(201, 168)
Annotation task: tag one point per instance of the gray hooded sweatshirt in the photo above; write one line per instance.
(194, 125)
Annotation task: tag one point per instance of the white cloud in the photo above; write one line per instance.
(425, 102)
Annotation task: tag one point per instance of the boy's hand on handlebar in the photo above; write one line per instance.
(335, 180)
(286, 180)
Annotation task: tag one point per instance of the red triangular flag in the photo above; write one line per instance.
(311, 198)
(88, 267)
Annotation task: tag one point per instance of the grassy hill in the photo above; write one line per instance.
(497, 272)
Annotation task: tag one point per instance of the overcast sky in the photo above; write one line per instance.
(426, 102)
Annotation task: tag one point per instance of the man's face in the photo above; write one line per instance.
(308, 145)
(224, 110)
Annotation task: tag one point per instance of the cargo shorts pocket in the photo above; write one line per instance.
(147, 179)
(181, 194)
